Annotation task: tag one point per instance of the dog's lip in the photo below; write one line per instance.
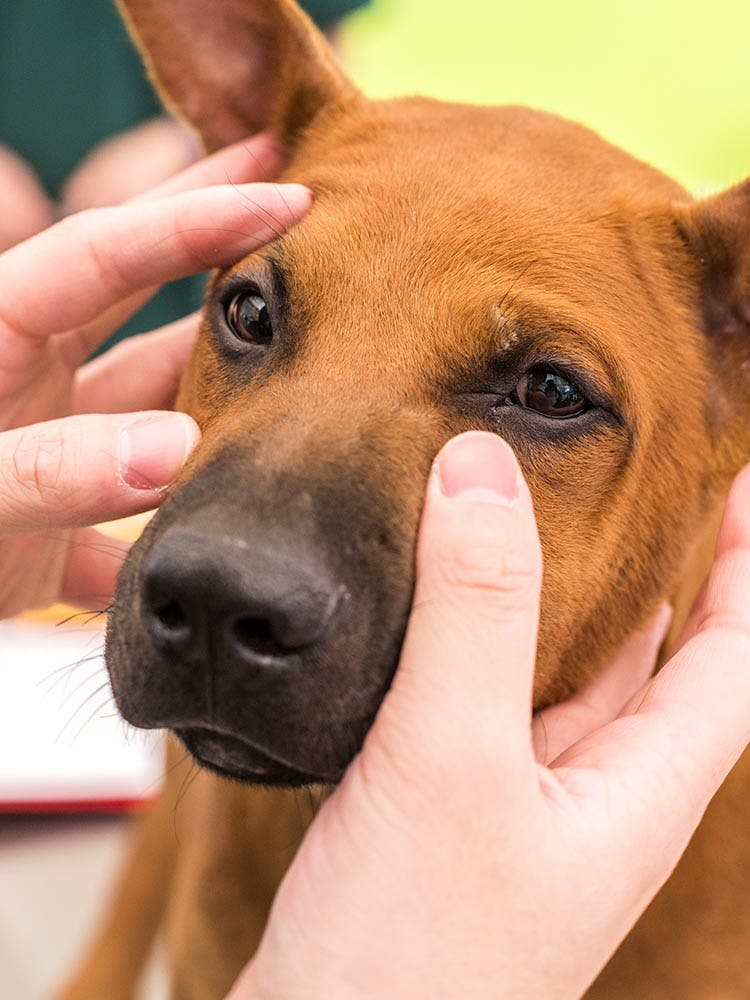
(233, 757)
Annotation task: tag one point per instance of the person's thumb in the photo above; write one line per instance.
(462, 693)
(85, 469)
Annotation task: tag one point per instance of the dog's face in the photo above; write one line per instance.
(495, 269)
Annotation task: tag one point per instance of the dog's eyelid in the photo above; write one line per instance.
(529, 350)
(278, 278)
(599, 378)
(260, 274)
(567, 343)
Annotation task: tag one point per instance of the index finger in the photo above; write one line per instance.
(73, 272)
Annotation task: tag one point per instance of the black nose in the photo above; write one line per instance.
(222, 596)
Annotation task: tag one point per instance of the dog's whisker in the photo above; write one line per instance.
(166, 773)
(315, 796)
(255, 204)
(289, 847)
(71, 665)
(87, 701)
(71, 692)
(105, 548)
(96, 714)
(513, 284)
(90, 616)
(187, 781)
(205, 264)
(279, 189)
(296, 798)
(65, 673)
(266, 213)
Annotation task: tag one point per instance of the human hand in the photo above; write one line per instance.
(116, 170)
(128, 163)
(63, 292)
(25, 209)
(451, 862)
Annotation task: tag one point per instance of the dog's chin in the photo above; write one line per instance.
(234, 758)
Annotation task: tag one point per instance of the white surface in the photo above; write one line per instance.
(60, 735)
(60, 739)
(55, 877)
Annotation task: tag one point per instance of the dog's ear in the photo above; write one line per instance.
(230, 68)
(717, 232)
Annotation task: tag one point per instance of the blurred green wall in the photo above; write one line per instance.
(669, 82)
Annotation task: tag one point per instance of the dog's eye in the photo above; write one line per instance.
(549, 393)
(249, 319)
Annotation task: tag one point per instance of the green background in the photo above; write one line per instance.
(669, 82)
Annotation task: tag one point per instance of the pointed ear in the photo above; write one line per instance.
(717, 231)
(230, 68)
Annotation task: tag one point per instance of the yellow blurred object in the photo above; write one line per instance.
(669, 82)
(127, 528)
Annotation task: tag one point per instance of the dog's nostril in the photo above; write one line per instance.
(255, 636)
(171, 616)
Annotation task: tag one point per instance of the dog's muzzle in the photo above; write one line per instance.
(265, 639)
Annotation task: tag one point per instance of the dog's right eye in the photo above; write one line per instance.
(249, 319)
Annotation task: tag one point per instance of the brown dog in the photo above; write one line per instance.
(462, 267)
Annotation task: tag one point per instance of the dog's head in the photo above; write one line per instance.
(462, 267)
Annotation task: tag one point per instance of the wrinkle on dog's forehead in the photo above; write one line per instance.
(414, 309)
(497, 197)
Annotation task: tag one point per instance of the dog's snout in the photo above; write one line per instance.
(228, 599)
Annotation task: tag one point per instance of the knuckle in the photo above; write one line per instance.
(187, 245)
(37, 463)
(498, 571)
(75, 227)
(85, 230)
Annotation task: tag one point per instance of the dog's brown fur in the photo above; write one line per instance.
(445, 239)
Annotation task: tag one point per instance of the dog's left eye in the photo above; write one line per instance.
(249, 319)
(549, 393)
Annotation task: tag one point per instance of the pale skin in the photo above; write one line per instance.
(113, 171)
(471, 850)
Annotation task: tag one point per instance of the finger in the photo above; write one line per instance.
(560, 726)
(256, 158)
(697, 614)
(726, 537)
(25, 209)
(80, 343)
(142, 373)
(86, 469)
(688, 729)
(128, 164)
(95, 259)
(93, 564)
(462, 690)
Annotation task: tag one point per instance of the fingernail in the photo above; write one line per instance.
(153, 449)
(479, 466)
